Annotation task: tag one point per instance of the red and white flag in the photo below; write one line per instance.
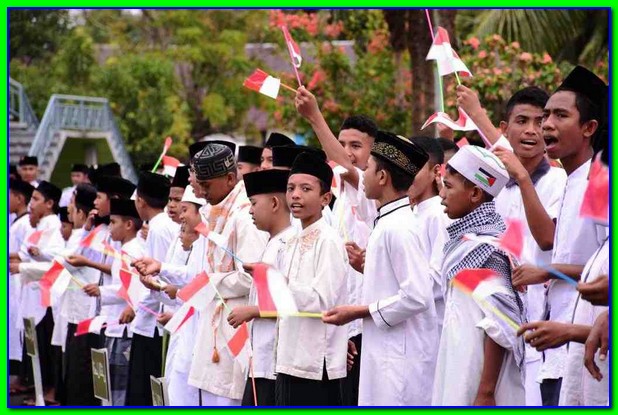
(471, 280)
(273, 293)
(338, 170)
(240, 347)
(54, 283)
(91, 325)
(39, 238)
(463, 123)
(166, 146)
(95, 237)
(213, 236)
(132, 290)
(263, 83)
(512, 240)
(180, 317)
(293, 48)
(198, 292)
(447, 59)
(595, 204)
(170, 164)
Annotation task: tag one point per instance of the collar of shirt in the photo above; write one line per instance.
(581, 172)
(311, 227)
(540, 171)
(390, 207)
(429, 204)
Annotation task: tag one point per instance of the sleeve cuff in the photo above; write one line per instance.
(377, 315)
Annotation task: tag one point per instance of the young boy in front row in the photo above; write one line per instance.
(269, 210)
(480, 359)
(311, 356)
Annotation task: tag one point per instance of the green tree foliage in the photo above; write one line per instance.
(35, 34)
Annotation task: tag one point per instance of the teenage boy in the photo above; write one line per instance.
(28, 168)
(269, 210)
(399, 318)
(316, 271)
(480, 360)
(79, 174)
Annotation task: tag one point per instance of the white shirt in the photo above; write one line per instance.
(352, 226)
(226, 378)
(579, 388)
(65, 198)
(263, 330)
(399, 339)
(316, 270)
(162, 232)
(50, 244)
(432, 223)
(76, 305)
(510, 205)
(575, 241)
(112, 305)
(18, 231)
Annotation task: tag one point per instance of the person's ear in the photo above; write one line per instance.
(590, 127)
(325, 199)
(503, 127)
(382, 177)
(476, 195)
(50, 204)
(275, 204)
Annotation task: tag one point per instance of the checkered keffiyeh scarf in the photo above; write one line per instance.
(484, 220)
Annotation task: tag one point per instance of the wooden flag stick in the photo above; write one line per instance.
(288, 87)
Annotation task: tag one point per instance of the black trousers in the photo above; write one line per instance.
(144, 361)
(49, 356)
(79, 389)
(550, 391)
(349, 385)
(293, 391)
(265, 391)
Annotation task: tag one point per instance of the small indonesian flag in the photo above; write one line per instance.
(35, 238)
(180, 317)
(132, 290)
(212, 236)
(95, 237)
(293, 48)
(512, 240)
(91, 325)
(470, 279)
(273, 293)
(240, 347)
(447, 59)
(198, 293)
(338, 170)
(170, 164)
(463, 123)
(166, 146)
(595, 204)
(263, 83)
(54, 283)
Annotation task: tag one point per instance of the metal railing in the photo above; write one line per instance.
(19, 106)
(87, 114)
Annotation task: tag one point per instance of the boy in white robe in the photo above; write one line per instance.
(311, 356)
(400, 329)
(480, 359)
(354, 213)
(532, 196)
(266, 191)
(214, 370)
(20, 193)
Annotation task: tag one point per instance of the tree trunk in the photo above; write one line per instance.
(396, 21)
(446, 19)
(419, 42)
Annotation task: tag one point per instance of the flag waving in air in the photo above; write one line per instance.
(263, 83)
(293, 48)
(198, 292)
(91, 325)
(54, 283)
(240, 347)
(596, 198)
(463, 123)
(447, 59)
(170, 164)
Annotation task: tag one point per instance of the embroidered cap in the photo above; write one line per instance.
(400, 152)
(215, 160)
(481, 167)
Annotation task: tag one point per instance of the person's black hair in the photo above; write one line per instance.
(431, 147)
(531, 95)
(447, 145)
(137, 222)
(153, 202)
(361, 123)
(400, 180)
